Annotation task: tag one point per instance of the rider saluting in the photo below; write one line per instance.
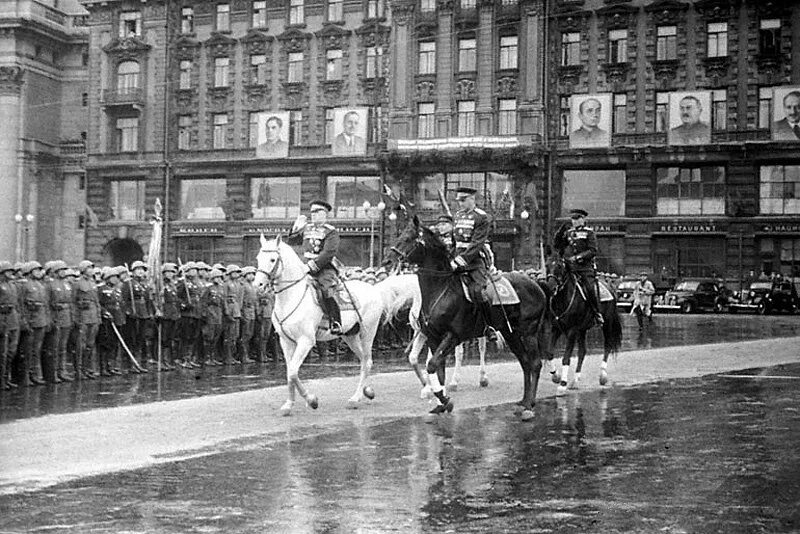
(471, 234)
(320, 244)
(578, 246)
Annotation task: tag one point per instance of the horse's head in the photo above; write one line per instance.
(276, 261)
(556, 267)
(418, 244)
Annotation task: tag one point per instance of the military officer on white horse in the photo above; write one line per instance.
(320, 242)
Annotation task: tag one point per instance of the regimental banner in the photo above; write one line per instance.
(780, 228)
(201, 230)
(454, 143)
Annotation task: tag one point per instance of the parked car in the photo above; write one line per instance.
(766, 296)
(695, 294)
(625, 289)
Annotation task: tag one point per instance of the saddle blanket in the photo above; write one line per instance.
(498, 291)
(343, 298)
(605, 292)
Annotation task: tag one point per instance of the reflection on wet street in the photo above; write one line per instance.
(712, 454)
(667, 330)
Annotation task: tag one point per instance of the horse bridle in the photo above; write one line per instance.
(272, 273)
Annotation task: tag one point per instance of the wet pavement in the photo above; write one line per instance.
(667, 331)
(711, 454)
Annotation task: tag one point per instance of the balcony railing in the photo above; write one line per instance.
(44, 14)
(129, 96)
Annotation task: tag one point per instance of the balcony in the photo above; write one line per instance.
(44, 16)
(131, 97)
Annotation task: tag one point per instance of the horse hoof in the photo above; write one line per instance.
(430, 418)
(452, 387)
(442, 408)
(352, 405)
(603, 378)
(286, 409)
(425, 393)
(573, 386)
(555, 378)
(527, 415)
(561, 390)
(369, 392)
(484, 382)
(312, 401)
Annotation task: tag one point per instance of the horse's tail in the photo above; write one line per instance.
(394, 298)
(612, 329)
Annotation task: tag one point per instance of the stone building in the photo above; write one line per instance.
(236, 115)
(43, 105)
(670, 132)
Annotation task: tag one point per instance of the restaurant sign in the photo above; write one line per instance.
(200, 230)
(781, 228)
(688, 228)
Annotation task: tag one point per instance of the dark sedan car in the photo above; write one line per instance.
(695, 294)
(765, 297)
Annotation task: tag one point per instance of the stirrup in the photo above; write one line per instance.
(335, 328)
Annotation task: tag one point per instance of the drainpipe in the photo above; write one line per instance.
(19, 216)
(165, 213)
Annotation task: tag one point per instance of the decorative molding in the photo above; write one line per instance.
(186, 48)
(293, 40)
(465, 89)
(507, 87)
(717, 10)
(616, 72)
(667, 11)
(770, 64)
(425, 90)
(333, 37)
(426, 27)
(256, 42)
(575, 21)
(332, 89)
(717, 67)
(219, 96)
(295, 93)
(773, 8)
(11, 80)
(220, 45)
(185, 98)
(129, 48)
(665, 69)
(445, 6)
(618, 16)
(570, 74)
(402, 12)
(373, 34)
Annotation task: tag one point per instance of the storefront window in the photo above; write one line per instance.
(127, 200)
(680, 257)
(691, 191)
(601, 193)
(275, 197)
(347, 195)
(203, 199)
(780, 189)
(196, 249)
(610, 254)
(780, 255)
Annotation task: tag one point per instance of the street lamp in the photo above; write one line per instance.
(374, 213)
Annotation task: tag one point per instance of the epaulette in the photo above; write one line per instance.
(586, 228)
(329, 226)
(480, 211)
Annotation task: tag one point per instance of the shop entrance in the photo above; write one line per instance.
(122, 252)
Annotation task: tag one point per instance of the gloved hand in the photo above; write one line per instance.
(572, 259)
(306, 269)
(454, 265)
(299, 223)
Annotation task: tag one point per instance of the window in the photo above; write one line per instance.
(296, 12)
(295, 127)
(187, 20)
(198, 248)
(220, 131)
(508, 52)
(666, 42)
(127, 200)
(84, 99)
(466, 118)
(252, 137)
(295, 67)
(375, 9)
(427, 57)
(466, 55)
(130, 24)
(203, 199)
(127, 77)
(185, 81)
(600, 192)
(467, 4)
(780, 190)
(425, 120)
(258, 69)
(564, 116)
(333, 65)
(427, 6)
(570, 48)
(494, 189)
(719, 109)
(128, 134)
(507, 117)
(85, 59)
(769, 37)
(347, 195)
(221, 67)
(618, 46)
(335, 10)
(780, 255)
(620, 113)
(374, 67)
(717, 39)
(375, 124)
(690, 191)
(764, 107)
(223, 17)
(329, 126)
(184, 132)
(259, 14)
(689, 256)
(275, 197)
(662, 110)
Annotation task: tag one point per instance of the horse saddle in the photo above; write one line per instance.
(343, 298)
(498, 290)
(605, 292)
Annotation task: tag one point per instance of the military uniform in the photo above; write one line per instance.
(234, 300)
(212, 311)
(9, 324)
(36, 319)
(578, 246)
(61, 301)
(471, 233)
(140, 310)
(112, 313)
(170, 318)
(263, 327)
(87, 319)
(249, 304)
(190, 327)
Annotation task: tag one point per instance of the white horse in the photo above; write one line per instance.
(297, 318)
(405, 291)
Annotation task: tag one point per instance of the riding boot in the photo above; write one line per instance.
(3, 378)
(593, 299)
(334, 316)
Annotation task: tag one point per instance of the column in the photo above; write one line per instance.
(486, 67)
(444, 69)
(11, 80)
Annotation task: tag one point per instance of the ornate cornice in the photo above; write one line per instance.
(220, 45)
(717, 10)
(294, 40)
(129, 48)
(425, 88)
(402, 12)
(618, 16)
(667, 11)
(373, 34)
(576, 21)
(507, 87)
(773, 8)
(465, 89)
(333, 37)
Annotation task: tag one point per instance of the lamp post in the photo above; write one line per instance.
(374, 213)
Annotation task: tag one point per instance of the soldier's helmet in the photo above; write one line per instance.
(215, 273)
(119, 269)
(203, 266)
(233, 268)
(59, 265)
(248, 269)
(29, 267)
(137, 264)
(169, 266)
(219, 267)
(189, 265)
(6, 266)
(84, 264)
(18, 266)
(48, 266)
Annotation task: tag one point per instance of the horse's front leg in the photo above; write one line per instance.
(288, 351)
(435, 364)
(581, 355)
(459, 353)
(417, 344)
(362, 347)
(484, 377)
(551, 364)
(302, 348)
(562, 386)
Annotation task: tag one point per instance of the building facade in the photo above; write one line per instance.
(671, 131)
(44, 107)
(467, 109)
(235, 115)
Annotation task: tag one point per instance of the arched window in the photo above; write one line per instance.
(127, 77)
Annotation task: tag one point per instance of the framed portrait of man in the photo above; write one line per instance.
(273, 132)
(349, 132)
(689, 118)
(786, 113)
(591, 121)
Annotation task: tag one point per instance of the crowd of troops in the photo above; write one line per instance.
(60, 323)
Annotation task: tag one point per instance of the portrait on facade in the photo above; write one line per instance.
(689, 118)
(591, 121)
(273, 135)
(786, 114)
(350, 132)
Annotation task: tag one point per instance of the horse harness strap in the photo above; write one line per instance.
(281, 321)
(435, 302)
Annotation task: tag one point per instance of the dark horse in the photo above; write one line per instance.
(447, 318)
(572, 318)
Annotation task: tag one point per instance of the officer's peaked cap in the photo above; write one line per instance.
(445, 218)
(466, 191)
(320, 203)
(577, 212)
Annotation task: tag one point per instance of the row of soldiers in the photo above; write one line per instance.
(105, 321)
